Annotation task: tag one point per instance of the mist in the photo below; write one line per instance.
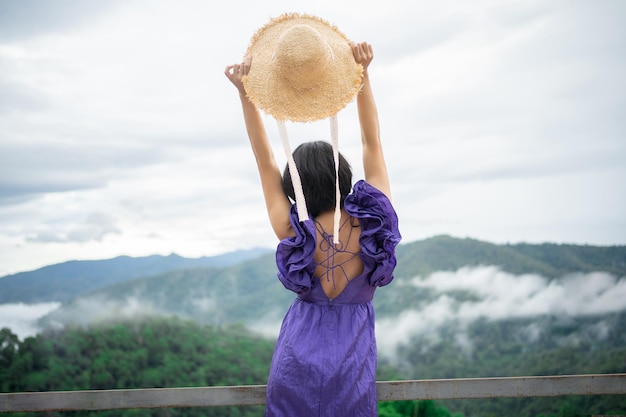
(460, 297)
(499, 295)
(22, 318)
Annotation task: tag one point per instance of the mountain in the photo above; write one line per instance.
(65, 281)
(68, 280)
(446, 253)
(242, 287)
(248, 292)
(242, 293)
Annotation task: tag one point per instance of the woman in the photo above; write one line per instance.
(324, 363)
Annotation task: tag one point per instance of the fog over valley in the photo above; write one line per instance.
(436, 301)
(470, 294)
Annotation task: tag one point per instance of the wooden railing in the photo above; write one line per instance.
(433, 389)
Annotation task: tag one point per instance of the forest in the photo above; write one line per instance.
(151, 353)
(159, 353)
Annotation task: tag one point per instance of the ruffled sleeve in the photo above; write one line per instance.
(379, 231)
(294, 256)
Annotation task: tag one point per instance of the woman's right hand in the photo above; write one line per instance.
(363, 53)
(236, 72)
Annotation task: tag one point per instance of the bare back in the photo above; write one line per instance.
(338, 264)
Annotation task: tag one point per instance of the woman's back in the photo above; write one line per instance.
(337, 264)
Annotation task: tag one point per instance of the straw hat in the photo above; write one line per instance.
(302, 69)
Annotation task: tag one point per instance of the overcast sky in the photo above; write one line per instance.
(502, 121)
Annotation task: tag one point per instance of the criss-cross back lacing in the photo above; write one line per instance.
(335, 255)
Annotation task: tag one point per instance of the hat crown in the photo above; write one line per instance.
(302, 57)
(303, 69)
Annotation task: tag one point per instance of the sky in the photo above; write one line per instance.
(502, 120)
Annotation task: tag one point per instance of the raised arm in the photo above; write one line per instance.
(374, 166)
(276, 201)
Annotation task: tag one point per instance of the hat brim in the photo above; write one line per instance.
(270, 93)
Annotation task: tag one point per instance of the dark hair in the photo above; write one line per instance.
(316, 165)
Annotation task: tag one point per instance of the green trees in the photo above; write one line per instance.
(502, 348)
(149, 354)
(155, 353)
(425, 408)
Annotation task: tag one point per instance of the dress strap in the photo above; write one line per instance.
(303, 213)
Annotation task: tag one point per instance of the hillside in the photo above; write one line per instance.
(64, 281)
(243, 293)
(462, 270)
(545, 345)
(69, 280)
(446, 253)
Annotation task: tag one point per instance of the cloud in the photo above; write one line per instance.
(498, 295)
(96, 310)
(268, 325)
(28, 18)
(31, 170)
(22, 318)
(574, 294)
(94, 228)
(497, 118)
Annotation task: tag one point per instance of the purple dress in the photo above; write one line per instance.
(324, 362)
